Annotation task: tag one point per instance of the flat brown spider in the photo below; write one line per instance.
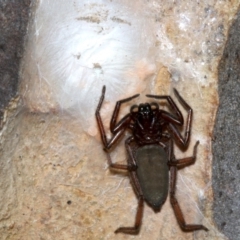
(150, 153)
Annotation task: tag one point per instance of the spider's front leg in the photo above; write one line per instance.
(114, 126)
(184, 141)
(117, 129)
(178, 119)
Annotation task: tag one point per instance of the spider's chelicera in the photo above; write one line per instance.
(150, 153)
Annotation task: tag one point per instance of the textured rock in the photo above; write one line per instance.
(57, 184)
(226, 138)
(13, 25)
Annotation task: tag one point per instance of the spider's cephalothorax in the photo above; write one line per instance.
(147, 125)
(151, 162)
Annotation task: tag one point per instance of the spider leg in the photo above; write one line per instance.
(176, 208)
(114, 127)
(99, 119)
(174, 165)
(134, 180)
(131, 166)
(118, 133)
(184, 141)
(138, 220)
(184, 162)
(172, 120)
(131, 161)
(116, 165)
(178, 119)
(108, 144)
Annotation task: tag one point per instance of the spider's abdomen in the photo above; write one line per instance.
(152, 173)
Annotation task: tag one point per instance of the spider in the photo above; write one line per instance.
(151, 162)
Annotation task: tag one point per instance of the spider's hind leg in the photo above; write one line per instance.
(176, 208)
(134, 180)
(138, 220)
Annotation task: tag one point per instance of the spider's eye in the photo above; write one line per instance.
(145, 109)
(134, 109)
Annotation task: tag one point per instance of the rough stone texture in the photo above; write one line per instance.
(55, 181)
(226, 144)
(57, 186)
(13, 23)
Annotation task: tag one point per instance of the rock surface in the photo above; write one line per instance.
(226, 160)
(56, 183)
